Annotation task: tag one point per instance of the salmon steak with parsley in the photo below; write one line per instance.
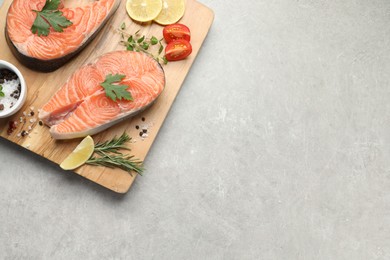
(44, 34)
(98, 95)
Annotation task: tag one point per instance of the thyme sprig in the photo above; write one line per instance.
(141, 43)
(108, 154)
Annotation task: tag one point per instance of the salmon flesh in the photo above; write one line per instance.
(48, 53)
(81, 107)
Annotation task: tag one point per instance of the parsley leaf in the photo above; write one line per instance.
(116, 91)
(51, 5)
(49, 16)
(40, 26)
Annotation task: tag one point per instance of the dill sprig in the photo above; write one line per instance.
(108, 155)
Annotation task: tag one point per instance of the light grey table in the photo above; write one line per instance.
(277, 147)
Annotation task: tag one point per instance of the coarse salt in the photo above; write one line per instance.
(9, 87)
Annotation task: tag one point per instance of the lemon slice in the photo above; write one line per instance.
(172, 11)
(79, 155)
(143, 10)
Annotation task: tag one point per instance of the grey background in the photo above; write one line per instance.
(277, 147)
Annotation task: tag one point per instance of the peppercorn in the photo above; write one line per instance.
(11, 127)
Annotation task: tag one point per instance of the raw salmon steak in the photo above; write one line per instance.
(48, 53)
(81, 107)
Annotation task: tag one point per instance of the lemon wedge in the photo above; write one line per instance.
(172, 11)
(143, 10)
(80, 154)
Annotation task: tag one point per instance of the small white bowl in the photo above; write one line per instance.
(23, 90)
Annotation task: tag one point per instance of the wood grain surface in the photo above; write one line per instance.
(41, 86)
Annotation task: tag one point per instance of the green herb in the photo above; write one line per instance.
(124, 162)
(141, 43)
(116, 91)
(1, 91)
(123, 26)
(145, 46)
(161, 49)
(113, 145)
(153, 40)
(48, 17)
(108, 155)
(141, 39)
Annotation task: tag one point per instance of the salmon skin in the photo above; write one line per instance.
(48, 53)
(81, 107)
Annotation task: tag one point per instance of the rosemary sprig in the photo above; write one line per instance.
(125, 162)
(109, 155)
(141, 43)
(113, 145)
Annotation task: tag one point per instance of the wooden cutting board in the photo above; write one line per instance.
(41, 86)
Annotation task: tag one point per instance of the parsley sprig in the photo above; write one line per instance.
(114, 91)
(1, 91)
(48, 17)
